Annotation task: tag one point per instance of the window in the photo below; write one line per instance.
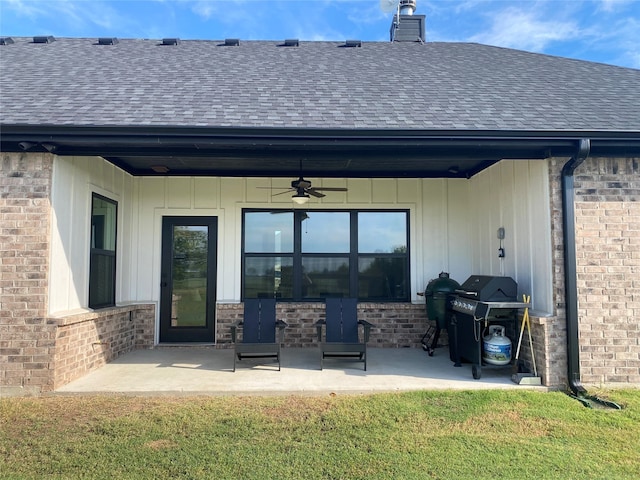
(102, 264)
(313, 254)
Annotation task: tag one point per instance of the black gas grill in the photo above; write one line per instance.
(481, 300)
(481, 295)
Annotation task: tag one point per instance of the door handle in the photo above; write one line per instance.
(164, 284)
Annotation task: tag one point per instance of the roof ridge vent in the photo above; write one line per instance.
(353, 43)
(291, 42)
(231, 42)
(6, 41)
(107, 41)
(170, 41)
(44, 39)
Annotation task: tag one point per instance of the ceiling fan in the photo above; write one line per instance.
(304, 191)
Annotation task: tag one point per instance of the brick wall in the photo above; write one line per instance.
(87, 341)
(608, 258)
(27, 337)
(396, 325)
(549, 347)
(551, 332)
(607, 200)
(38, 353)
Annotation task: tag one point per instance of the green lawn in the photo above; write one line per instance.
(452, 435)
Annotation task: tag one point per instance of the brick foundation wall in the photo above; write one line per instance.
(87, 341)
(396, 325)
(608, 262)
(549, 349)
(27, 337)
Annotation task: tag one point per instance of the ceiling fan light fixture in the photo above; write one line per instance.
(300, 198)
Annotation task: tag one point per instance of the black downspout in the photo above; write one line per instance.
(570, 276)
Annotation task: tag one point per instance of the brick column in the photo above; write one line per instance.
(608, 264)
(552, 332)
(27, 337)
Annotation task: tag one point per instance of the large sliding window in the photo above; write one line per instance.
(102, 265)
(315, 254)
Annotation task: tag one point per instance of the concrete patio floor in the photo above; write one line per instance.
(206, 370)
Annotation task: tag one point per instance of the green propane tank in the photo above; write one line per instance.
(497, 346)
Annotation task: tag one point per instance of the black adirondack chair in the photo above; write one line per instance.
(261, 335)
(341, 331)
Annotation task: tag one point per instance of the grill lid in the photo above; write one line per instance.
(485, 288)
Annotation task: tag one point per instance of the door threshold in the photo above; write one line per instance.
(186, 344)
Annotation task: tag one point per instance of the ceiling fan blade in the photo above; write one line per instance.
(282, 193)
(312, 192)
(276, 188)
(331, 189)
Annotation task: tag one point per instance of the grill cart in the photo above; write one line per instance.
(481, 301)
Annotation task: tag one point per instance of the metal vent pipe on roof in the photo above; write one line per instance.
(407, 7)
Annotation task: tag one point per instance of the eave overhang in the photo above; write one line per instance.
(274, 152)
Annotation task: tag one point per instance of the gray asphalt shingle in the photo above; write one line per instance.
(316, 85)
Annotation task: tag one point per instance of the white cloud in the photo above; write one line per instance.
(78, 16)
(369, 13)
(614, 5)
(467, 5)
(24, 8)
(204, 9)
(620, 36)
(515, 28)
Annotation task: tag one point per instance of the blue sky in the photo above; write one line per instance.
(605, 31)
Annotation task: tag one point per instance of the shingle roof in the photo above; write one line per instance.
(381, 85)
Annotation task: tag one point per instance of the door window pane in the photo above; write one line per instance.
(326, 232)
(268, 232)
(382, 277)
(189, 268)
(268, 277)
(325, 277)
(382, 232)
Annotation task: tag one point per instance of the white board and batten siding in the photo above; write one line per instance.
(453, 224)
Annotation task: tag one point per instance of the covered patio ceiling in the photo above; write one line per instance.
(322, 153)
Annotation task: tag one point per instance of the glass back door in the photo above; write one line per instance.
(188, 279)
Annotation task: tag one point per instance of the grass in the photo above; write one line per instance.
(463, 435)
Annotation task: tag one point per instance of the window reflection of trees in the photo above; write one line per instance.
(370, 260)
(383, 277)
(190, 253)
